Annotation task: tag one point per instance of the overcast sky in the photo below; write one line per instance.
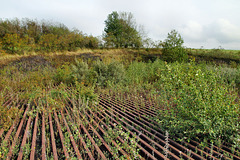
(207, 23)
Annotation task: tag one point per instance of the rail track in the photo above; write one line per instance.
(110, 129)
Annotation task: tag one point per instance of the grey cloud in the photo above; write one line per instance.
(224, 31)
(220, 32)
(211, 23)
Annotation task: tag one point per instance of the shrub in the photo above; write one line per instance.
(140, 72)
(85, 92)
(7, 116)
(19, 36)
(63, 74)
(49, 42)
(200, 103)
(82, 73)
(173, 49)
(113, 72)
(13, 43)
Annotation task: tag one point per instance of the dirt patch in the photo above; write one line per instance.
(58, 60)
(31, 63)
(86, 56)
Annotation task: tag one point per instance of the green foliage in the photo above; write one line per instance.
(228, 74)
(140, 72)
(18, 36)
(85, 92)
(63, 74)
(121, 31)
(200, 103)
(130, 143)
(1, 47)
(113, 72)
(231, 75)
(7, 116)
(173, 49)
(100, 73)
(48, 42)
(82, 73)
(13, 43)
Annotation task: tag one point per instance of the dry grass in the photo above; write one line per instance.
(104, 54)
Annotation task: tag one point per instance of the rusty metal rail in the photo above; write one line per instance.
(111, 129)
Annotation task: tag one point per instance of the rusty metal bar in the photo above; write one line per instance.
(216, 153)
(128, 105)
(102, 140)
(227, 149)
(130, 115)
(107, 147)
(43, 138)
(61, 136)
(142, 124)
(17, 134)
(34, 139)
(149, 155)
(55, 156)
(9, 101)
(71, 137)
(81, 138)
(12, 127)
(149, 133)
(20, 154)
(93, 142)
(91, 139)
(119, 138)
(142, 141)
(94, 121)
(193, 147)
(104, 133)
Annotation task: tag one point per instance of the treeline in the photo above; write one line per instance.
(26, 35)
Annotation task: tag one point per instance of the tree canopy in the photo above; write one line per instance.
(173, 49)
(26, 35)
(121, 31)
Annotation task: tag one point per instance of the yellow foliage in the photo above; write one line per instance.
(7, 116)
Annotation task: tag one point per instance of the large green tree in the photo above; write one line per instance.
(121, 31)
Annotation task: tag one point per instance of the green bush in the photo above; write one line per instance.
(173, 49)
(231, 75)
(87, 93)
(140, 72)
(201, 104)
(63, 74)
(80, 71)
(7, 116)
(13, 43)
(113, 72)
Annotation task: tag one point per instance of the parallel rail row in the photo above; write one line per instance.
(111, 129)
